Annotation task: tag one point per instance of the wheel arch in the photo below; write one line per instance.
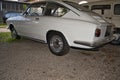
(55, 31)
(11, 26)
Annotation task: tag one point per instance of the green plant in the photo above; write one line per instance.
(3, 25)
(24, 7)
(6, 37)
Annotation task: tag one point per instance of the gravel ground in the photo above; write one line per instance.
(29, 60)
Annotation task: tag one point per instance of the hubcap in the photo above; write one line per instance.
(56, 43)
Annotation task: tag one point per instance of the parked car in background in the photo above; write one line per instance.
(110, 10)
(61, 24)
(10, 14)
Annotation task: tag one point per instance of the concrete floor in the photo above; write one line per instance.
(29, 60)
(4, 30)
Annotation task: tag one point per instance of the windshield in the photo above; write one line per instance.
(77, 6)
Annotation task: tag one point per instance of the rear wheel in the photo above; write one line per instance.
(14, 34)
(117, 40)
(117, 35)
(58, 44)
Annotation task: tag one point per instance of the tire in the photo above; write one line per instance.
(116, 42)
(14, 34)
(58, 44)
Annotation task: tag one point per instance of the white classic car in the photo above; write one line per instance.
(61, 24)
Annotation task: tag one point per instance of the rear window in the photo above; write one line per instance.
(77, 6)
(54, 9)
(117, 9)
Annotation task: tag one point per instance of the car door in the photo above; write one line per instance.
(31, 25)
(52, 18)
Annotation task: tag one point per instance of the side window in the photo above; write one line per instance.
(117, 9)
(101, 9)
(36, 9)
(54, 9)
(60, 11)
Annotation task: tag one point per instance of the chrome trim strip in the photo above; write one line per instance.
(34, 39)
(95, 44)
(83, 43)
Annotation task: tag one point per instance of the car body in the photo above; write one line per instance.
(110, 10)
(10, 14)
(62, 24)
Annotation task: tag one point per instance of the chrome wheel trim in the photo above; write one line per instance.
(56, 43)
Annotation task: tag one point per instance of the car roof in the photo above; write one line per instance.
(56, 1)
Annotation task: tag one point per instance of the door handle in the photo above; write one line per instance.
(36, 19)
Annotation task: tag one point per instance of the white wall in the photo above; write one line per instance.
(85, 0)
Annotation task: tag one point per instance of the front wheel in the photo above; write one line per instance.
(14, 34)
(58, 44)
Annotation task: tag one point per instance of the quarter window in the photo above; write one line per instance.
(117, 9)
(54, 9)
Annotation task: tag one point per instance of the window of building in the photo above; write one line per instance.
(101, 9)
(4, 6)
(117, 9)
